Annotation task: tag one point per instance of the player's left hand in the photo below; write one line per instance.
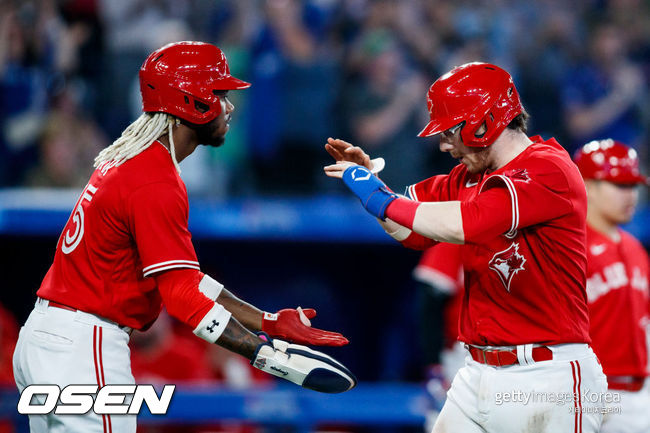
(294, 325)
(341, 151)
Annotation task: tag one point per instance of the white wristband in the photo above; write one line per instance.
(210, 287)
(213, 324)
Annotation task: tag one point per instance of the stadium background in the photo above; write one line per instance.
(266, 221)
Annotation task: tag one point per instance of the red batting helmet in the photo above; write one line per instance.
(476, 94)
(181, 79)
(609, 160)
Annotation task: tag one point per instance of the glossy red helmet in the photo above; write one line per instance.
(475, 94)
(609, 160)
(181, 79)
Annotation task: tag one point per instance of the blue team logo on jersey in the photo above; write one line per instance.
(507, 264)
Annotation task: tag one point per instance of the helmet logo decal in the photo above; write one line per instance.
(507, 264)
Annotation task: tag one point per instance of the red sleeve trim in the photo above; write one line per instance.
(410, 191)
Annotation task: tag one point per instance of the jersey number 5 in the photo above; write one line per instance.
(74, 229)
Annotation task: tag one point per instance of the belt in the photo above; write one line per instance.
(625, 383)
(54, 304)
(504, 358)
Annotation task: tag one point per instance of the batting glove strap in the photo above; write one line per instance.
(213, 324)
(373, 193)
(303, 366)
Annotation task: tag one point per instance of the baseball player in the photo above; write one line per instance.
(617, 282)
(126, 250)
(517, 204)
(440, 279)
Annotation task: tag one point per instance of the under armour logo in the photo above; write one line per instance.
(211, 327)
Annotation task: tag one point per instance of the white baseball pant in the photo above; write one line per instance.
(62, 347)
(538, 396)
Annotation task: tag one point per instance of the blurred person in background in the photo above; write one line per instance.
(606, 94)
(441, 282)
(296, 71)
(617, 282)
(68, 144)
(43, 49)
(23, 88)
(382, 106)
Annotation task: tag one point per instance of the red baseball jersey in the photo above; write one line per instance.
(129, 223)
(441, 266)
(526, 285)
(617, 291)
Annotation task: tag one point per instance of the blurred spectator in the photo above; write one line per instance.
(384, 105)
(605, 95)
(68, 145)
(295, 73)
(23, 83)
(319, 68)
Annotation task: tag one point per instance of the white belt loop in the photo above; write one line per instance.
(525, 354)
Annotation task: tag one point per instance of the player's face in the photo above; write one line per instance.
(475, 159)
(214, 133)
(615, 203)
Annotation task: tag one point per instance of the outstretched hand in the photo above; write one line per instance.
(294, 325)
(341, 150)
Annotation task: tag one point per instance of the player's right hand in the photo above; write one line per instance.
(294, 325)
(303, 366)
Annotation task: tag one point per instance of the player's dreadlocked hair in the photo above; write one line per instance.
(137, 137)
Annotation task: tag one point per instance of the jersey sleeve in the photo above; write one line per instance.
(441, 266)
(536, 196)
(158, 220)
(436, 188)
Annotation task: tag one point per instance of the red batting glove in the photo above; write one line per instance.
(287, 324)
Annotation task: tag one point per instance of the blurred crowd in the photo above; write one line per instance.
(355, 69)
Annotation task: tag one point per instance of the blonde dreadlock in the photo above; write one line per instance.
(138, 136)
